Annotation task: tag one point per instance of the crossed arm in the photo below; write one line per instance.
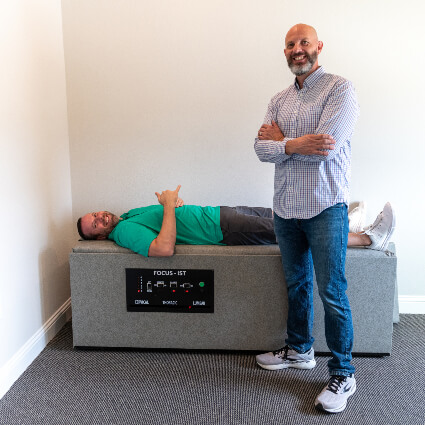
(163, 245)
(334, 128)
(309, 144)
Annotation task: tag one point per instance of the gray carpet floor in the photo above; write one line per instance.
(67, 386)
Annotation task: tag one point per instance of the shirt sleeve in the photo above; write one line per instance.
(338, 119)
(134, 236)
(270, 150)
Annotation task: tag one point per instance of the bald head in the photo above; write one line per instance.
(302, 48)
(305, 30)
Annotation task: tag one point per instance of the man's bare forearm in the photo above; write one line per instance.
(163, 245)
(310, 144)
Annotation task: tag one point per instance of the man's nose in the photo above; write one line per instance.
(297, 48)
(99, 219)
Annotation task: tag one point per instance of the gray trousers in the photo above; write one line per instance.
(247, 225)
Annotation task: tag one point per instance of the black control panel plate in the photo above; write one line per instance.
(170, 290)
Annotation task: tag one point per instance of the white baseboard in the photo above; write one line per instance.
(411, 304)
(13, 369)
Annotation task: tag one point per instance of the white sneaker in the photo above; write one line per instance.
(334, 396)
(286, 357)
(356, 218)
(381, 230)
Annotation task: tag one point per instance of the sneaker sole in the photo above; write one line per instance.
(359, 226)
(384, 245)
(339, 408)
(302, 365)
(356, 229)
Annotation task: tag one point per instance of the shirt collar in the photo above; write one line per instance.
(312, 79)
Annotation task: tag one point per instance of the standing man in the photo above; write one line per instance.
(306, 134)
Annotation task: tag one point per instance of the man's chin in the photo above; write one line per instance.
(115, 219)
(300, 70)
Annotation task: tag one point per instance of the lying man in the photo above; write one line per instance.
(155, 230)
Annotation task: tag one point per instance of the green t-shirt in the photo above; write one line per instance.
(195, 226)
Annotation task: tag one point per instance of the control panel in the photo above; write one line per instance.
(170, 290)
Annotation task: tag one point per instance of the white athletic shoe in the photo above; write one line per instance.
(356, 218)
(334, 396)
(381, 230)
(286, 357)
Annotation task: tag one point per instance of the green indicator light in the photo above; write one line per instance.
(201, 284)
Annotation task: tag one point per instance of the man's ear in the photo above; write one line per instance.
(319, 46)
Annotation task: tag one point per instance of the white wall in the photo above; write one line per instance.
(37, 228)
(162, 93)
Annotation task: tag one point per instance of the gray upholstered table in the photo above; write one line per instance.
(250, 302)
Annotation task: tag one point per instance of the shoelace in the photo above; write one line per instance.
(375, 223)
(282, 353)
(335, 383)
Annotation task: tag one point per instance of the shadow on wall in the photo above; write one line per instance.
(54, 270)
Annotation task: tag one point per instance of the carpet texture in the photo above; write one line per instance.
(67, 386)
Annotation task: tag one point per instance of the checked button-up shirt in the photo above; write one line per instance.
(305, 185)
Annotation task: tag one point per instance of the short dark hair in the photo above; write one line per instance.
(81, 233)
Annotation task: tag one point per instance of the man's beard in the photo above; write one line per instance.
(115, 220)
(302, 69)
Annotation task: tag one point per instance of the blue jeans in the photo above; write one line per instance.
(322, 241)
